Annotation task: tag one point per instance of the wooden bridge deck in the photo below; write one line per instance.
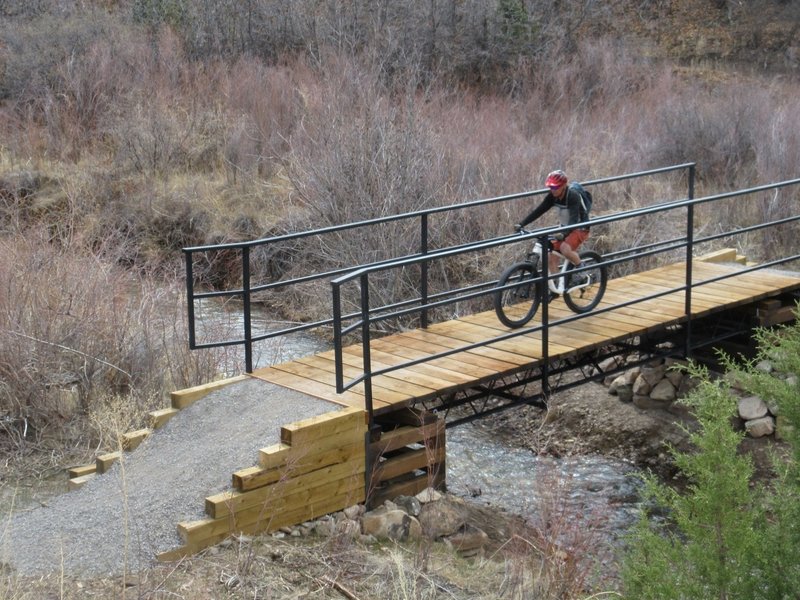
(315, 375)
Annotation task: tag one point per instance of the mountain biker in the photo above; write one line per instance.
(570, 212)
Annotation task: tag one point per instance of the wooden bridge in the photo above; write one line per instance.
(398, 393)
(414, 385)
(326, 463)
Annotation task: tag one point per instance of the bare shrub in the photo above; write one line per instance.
(557, 553)
(264, 103)
(37, 48)
(157, 139)
(360, 156)
(77, 329)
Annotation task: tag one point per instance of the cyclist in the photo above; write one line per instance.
(571, 211)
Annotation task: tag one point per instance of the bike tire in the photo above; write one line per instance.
(584, 299)
(516, 306)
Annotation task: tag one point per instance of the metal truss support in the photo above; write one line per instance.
(527, 388)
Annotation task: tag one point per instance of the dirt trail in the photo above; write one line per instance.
(120, 520)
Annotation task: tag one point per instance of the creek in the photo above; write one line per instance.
(578, 500)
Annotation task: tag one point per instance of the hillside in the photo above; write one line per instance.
(754, 35)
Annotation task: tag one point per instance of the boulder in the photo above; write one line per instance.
(675, 378)
(652, 375)
(439, 519)
(468, 539)
(409, 504)
(760, 427)
(623, 379)
(353, 512)
(391, 524)
(428, 495)
(752, 407)
(765, 366)
(348, 529)
(641, 387)
(625, 393)
(610, 363)
(663, 391)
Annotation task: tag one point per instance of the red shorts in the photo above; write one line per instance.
(575, 238)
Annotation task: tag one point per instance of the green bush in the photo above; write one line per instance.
(725, 537)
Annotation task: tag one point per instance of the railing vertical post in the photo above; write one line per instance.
(248, 332)
(423, 267)
(190, 299)
(337, 336)
(687, 344)
(545, 317)
(365, 347)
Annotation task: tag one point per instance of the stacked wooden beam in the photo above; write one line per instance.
(317, 468)
(407, 458)
(78, 476)
(774, 312)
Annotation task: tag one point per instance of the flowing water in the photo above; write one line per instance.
(215, 323)
(590, 493)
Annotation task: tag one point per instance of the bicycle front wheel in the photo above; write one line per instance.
(586, 289)
(516, 305)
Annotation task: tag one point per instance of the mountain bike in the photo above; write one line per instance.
(520, 288)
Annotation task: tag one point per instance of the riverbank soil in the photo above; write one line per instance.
(587, 420)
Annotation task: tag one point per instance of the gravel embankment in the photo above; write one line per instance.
(121, 519)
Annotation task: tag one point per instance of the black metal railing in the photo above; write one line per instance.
(363, 320)
(248, 288)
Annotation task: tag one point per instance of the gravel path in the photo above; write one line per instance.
(121, 519)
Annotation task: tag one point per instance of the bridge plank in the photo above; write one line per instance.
(467, 332)
(713, 291)
(766, 280)
(430, 347)
(318, 389)
(400, 377)
(513, 349)
(426, 336)
(650, 310)
(395, 347)
(381, 390)
(571, 334)
(664, 307)
(386, 351)
(709, 296)
(700, 299)
(486, 325)
(381, 359)
(409, 386)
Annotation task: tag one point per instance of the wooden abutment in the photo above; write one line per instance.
(318, 467)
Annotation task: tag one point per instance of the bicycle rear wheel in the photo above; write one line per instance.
(586, 289)
(516, 305)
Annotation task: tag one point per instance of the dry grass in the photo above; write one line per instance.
(340, 566)
(77, 332)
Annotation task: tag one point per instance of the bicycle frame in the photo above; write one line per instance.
(557, 282)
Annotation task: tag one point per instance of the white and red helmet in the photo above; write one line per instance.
(556, 179)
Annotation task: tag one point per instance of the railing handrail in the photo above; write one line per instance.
(247, 290)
